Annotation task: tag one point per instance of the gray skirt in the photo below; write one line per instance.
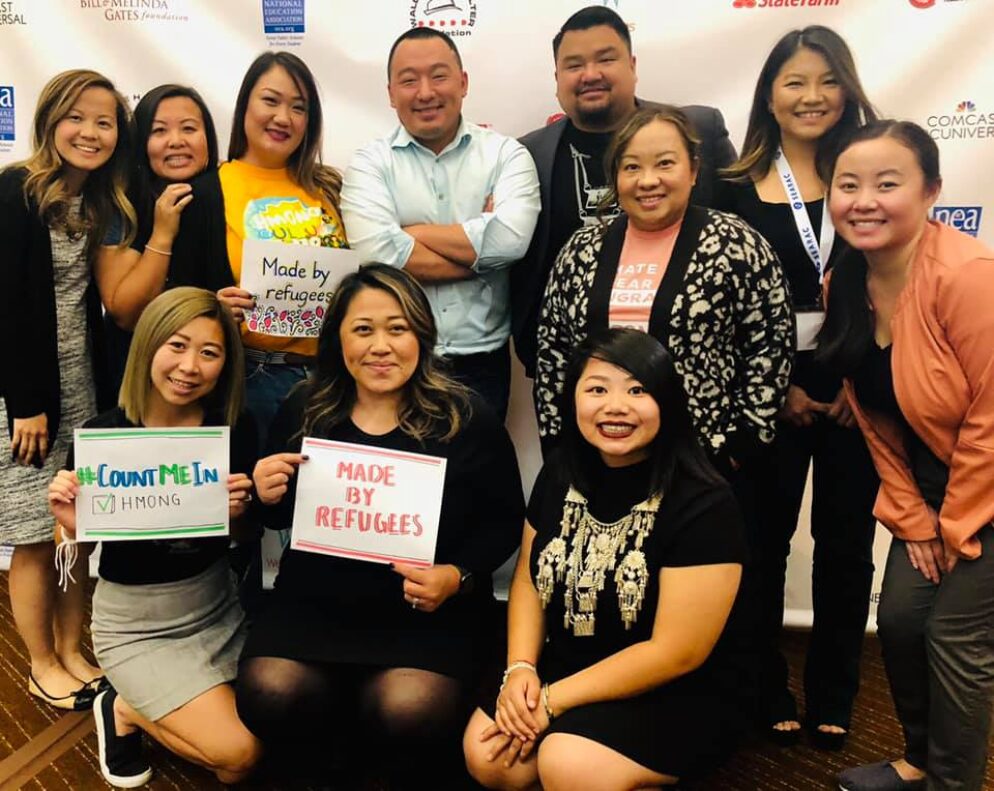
(163, 645)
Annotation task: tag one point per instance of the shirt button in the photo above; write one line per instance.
(441, 196)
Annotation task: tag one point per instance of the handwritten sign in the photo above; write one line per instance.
(146, 483)
(292, 284)
(367, 503)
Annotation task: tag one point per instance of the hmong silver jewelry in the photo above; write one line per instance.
(585, 560)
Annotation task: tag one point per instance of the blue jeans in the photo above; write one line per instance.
(266, 385)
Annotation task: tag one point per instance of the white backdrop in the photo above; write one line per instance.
(925, 60)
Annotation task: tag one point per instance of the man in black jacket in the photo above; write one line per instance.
(595, 85)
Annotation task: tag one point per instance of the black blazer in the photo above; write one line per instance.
(29, 382)
(530, 274)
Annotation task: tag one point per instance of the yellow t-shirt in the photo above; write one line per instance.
(260, 203)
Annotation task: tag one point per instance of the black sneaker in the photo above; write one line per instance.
(121, 760)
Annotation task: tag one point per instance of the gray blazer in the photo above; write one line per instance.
(530, 274)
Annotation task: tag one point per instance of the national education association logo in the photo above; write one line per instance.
(282, 16)
(784, 3)
(138, 10)
(962, 218)
(9, 14)
(966, 123)
(6, 114)
(453, 17)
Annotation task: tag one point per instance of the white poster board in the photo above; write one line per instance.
(146, 483)
(367, 503)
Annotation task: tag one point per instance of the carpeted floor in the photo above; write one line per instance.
(757, 767)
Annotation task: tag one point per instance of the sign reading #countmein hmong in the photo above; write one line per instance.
(292, 284)
(367, 503)
(149, 483)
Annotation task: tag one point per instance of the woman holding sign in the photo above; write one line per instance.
(623, 663)
(807, 96)
(276, 191)
(176, 193)
(392, 650)
(167, 627)
(54, 208)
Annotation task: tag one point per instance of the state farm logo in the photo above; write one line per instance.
(783, 3)
(931, 3)
(963, 124)
(452, 17)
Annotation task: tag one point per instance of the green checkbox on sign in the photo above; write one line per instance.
(103, 504)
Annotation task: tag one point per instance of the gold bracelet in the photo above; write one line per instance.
(157, 250)
(545, 703)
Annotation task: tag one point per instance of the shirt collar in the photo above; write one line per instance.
(403, 139)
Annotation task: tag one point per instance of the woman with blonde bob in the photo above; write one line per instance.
(54, 209)
(167, 626)
(392, 649)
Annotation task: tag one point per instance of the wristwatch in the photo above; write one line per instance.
(465, 580)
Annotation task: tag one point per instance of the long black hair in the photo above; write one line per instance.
(675, 446)
(848, 330)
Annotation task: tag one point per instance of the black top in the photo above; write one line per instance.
(775, 221)
(873, 381)
(30, 383)
(697, 524)
(333, 609)
(155, 561)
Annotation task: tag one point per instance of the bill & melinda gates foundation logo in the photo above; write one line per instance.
(964, 124)
(452, 17)
(783, 3)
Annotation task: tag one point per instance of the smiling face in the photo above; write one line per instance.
(879, 199)
(595, 78)
(426, 89)
(87, 135)
(177, 142)
(275, 119)
(615, 414)
(655, 177)
(379, 348)
(186, 368)
(806, 99)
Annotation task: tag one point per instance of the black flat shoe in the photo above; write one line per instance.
(826, 740)
(783, 738)
(79, 700)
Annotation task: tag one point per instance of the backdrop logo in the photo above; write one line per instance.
(931, 3)
(453, 17)
(9, 15)
(6, 115)
(963, 124)
(962, 218)
(783, 3)
(283, 16)
(137, 10)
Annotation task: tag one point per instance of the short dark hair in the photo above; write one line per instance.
(592, 16)
(422, 33)
(676, 445)
(847, 332)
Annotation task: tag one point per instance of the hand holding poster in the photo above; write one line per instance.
(149, 483)
(366, 503)
(292, 284)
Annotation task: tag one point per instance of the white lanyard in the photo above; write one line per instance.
(818, 251)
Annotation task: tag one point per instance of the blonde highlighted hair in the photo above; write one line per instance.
(103, 191)
(166, 315)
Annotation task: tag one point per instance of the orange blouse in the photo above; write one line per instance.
(943, 366)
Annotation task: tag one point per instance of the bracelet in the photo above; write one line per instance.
(515, 666)
(157, 250)
(545, 703)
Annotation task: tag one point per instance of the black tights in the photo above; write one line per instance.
(398, 720)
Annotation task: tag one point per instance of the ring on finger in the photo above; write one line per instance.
(415, 602)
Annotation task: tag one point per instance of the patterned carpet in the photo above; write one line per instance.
(67, 756)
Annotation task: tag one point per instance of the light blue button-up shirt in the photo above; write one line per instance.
(395, 182)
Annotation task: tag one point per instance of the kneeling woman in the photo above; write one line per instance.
(630, 563)
(167, 626)
(351, 649)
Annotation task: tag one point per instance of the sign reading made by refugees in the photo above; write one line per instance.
(151, 483)
(367, 503)
(292, 284)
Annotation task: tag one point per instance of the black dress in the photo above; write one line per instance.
(692, 722)
(334, 610)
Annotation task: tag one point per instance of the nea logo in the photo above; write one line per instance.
(6, 112)
(962, 218)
